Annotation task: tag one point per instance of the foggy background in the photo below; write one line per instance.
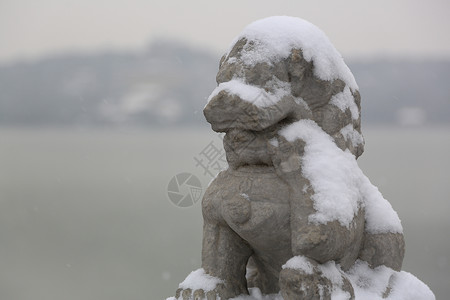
(101, 105)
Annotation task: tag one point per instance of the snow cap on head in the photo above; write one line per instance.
(272, 39)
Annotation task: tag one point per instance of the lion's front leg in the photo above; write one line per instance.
(224, 257)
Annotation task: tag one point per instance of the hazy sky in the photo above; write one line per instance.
(33, 28)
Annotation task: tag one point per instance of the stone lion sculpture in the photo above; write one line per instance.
(293, 216)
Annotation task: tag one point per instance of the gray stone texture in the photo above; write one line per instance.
(256, 212)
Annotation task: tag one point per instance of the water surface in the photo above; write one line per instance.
(85, 214)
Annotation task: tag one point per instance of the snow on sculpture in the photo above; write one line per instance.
(293, 217)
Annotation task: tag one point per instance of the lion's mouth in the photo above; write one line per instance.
(247, 149)
(250, 148)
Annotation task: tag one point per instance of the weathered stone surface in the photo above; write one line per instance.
(384, 249)
(256, 213)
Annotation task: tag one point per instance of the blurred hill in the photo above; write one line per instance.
(168, 84)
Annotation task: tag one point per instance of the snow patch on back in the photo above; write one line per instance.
(340, 187)
(272, 39)
(335, 184)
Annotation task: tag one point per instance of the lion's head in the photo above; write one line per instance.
(272, 77)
